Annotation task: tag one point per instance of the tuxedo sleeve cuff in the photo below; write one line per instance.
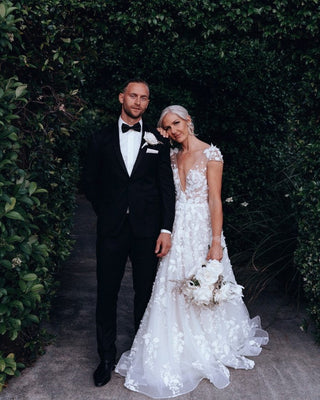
(165, 231)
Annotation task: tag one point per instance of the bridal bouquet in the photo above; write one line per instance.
(207, 286)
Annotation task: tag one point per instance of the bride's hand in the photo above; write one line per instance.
(215, 252)
(163, 132)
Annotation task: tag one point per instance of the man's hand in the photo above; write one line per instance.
(163, 244)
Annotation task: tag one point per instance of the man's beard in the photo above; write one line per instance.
(129, 113)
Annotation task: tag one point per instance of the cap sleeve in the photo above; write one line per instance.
(173, 151)
(213, 154)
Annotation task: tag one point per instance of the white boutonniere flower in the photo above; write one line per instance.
(150, 139)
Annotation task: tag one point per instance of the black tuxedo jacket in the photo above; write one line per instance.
(148, 193)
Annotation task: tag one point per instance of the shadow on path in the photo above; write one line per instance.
(287, 369)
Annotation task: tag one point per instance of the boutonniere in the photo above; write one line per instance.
(149, 138)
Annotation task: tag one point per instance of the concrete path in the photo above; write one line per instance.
(287, 369)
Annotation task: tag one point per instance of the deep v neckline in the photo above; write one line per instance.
(187, 173)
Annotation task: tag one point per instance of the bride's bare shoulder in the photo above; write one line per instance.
(202, 146)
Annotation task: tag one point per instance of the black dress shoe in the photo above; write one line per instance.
(102, 374)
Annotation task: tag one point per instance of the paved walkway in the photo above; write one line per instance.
(287, 369)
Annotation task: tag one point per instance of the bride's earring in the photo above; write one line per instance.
(190, 128)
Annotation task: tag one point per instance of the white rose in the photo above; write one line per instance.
(209, 275)
(150, 139)
(206, 276)
(215, 264)
(202, 296)
(229, 292)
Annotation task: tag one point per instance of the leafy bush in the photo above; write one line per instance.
(22, 255)
(307, 206)
(308, 211)
(8, 367)
(39, 171)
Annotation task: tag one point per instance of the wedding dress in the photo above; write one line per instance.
(179, 343)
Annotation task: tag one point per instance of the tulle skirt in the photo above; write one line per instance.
(179, 343)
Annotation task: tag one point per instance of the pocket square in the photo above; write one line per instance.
(152, 151)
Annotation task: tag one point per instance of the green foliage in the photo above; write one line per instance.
(39, 166)
(307, 203)
(20, 249)
(8, 367)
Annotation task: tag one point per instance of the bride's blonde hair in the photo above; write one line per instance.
(181, 112)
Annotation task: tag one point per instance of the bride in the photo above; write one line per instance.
(180, 341)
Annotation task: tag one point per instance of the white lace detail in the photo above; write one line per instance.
(179, 343)
(196, 190)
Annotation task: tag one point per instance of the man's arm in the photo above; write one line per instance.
(167, 190)
(167, 193)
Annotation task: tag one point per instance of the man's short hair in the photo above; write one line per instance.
(136, 80)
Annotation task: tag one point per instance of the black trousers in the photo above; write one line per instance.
(112, 254)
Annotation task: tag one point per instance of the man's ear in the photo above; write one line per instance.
(121, 95)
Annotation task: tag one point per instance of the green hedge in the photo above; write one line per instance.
(22, 255)
(39, 171)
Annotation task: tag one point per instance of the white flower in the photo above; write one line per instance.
(150, 139)
(229, 200)
(15, 262)
(209, 274)
(215, 263)
(244, 204)
(207, 286)
(10, 37)
(203, 296)
(229, 291)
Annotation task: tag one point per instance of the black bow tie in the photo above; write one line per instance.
(135, 127)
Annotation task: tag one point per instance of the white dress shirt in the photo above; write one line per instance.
(130, 142)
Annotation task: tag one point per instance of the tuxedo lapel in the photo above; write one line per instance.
(117, 150)
(141, 152)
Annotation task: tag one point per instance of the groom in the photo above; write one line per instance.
(128, 180)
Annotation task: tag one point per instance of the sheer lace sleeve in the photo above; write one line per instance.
(213, 154)
(173, 157)
(173, 151)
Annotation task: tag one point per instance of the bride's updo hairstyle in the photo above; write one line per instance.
(180, 112)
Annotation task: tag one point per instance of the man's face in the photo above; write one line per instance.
(134, 100)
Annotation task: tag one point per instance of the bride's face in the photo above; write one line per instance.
(176, 127)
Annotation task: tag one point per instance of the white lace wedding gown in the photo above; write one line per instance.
(179, 343)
